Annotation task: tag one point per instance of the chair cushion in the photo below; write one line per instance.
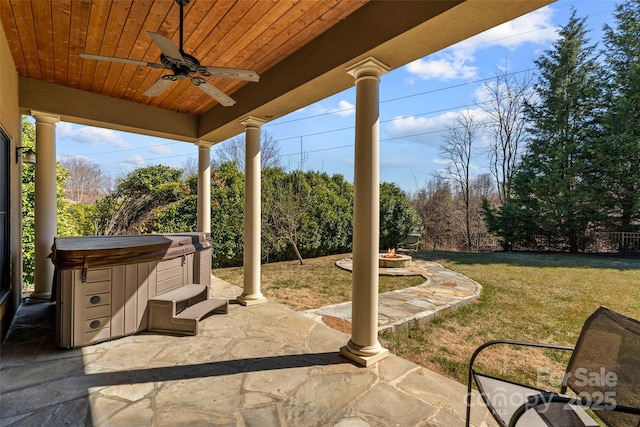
(506, 397)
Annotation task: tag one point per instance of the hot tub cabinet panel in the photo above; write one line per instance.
(202, 267)
(109, 301)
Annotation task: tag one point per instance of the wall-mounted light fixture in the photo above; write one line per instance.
(29, 156)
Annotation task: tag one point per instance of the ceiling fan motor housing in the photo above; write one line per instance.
(190, 65)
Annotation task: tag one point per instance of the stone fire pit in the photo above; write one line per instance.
(391, 259)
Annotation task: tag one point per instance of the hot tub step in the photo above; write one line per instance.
(183, 293)
(204, 308)
(179, 311)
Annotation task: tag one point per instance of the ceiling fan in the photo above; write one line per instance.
(183, 66)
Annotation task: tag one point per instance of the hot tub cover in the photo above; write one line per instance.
(95, 251)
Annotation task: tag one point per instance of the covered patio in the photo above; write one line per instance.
(304, 52)
(262, 365)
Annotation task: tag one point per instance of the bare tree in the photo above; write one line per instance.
(189, 167)
(233, 150)
(434, 205)
(482, 188)
(287, 202)
(504, 101)
(457, 150)
(86, 181)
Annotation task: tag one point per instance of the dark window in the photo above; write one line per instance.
(5, 160)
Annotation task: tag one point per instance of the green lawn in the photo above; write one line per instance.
(526, 297)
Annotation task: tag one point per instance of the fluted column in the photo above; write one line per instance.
(252, 214)
(364, 347)
(204, 188)
(45, 217)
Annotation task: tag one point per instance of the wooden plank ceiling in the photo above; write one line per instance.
(47, 37)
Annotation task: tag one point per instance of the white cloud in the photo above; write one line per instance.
(319, 109)
(439, 161)
(160, 149)
(456, 61)
(400, 162)
(420, 129)
(534, 27)
(90, 135)
(430, 130)
(345, 109)
(452, 65)
(136, 160)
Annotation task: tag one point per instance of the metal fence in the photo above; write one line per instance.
(616, 242)
(602, 242)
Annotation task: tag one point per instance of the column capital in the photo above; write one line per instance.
(203, 144)
(368, 67)
(252, 122)
(45, 117)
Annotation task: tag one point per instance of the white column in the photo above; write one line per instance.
(204, 188)
(364, 347)
(252, 214)
(45, 218)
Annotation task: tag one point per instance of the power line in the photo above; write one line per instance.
(133, 162)
(298, 137)
(428, 92)
(383, 121)
(431, 91)
(442, 88)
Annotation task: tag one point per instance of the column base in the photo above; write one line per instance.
(39, 298)
(362, 360)
(251, 299)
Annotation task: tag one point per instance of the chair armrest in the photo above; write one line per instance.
(501, 342)
(549, 397)
(518, 343)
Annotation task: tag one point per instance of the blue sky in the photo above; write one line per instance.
(417, 102)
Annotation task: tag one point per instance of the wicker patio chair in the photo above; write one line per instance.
(603, 375)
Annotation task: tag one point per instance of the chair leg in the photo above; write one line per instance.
(469, 389)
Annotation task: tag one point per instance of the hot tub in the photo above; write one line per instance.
(103, 283)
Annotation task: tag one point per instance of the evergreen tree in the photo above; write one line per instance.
(617, 155)
(551, 195)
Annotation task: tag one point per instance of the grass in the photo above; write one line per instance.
(317, 283)
(526, 297)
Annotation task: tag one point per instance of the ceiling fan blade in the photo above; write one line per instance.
(123, 60)
(159, 86)
(233, 73)
(213, 91)
(167, 46)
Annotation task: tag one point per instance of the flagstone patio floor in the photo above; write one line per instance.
(262, 365)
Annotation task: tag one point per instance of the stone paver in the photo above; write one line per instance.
(262, 365)
(442, 291)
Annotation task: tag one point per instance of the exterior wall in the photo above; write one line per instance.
(11, 124)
